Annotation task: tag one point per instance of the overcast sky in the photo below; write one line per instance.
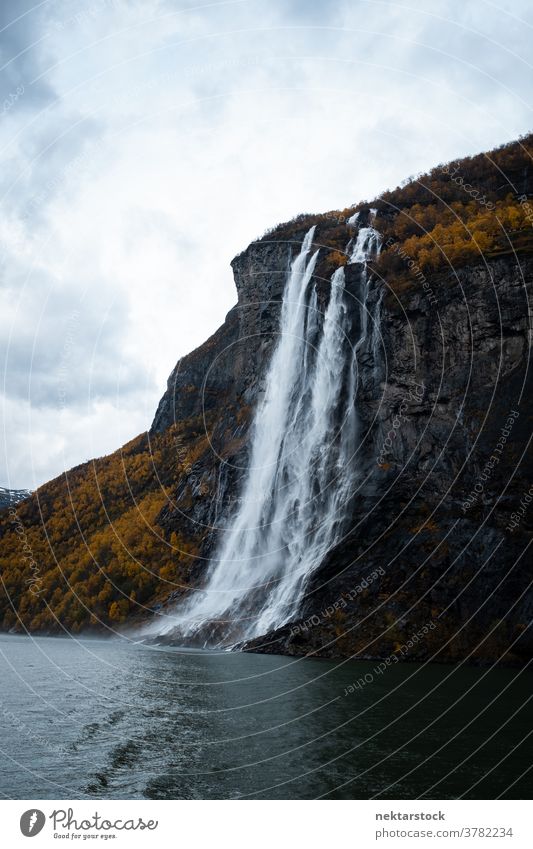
(146, 142)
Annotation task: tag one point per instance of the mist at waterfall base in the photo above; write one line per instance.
(303, 469)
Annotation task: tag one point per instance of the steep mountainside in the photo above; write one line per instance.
(12, 496)
(440, 525)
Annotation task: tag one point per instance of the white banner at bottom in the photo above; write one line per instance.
(267, 824)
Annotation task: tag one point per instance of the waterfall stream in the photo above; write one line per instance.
(302, 468)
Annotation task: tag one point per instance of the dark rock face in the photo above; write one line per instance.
(432, 538)
(443, 404)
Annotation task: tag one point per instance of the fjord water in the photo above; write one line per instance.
(303, 464)
(110, 719)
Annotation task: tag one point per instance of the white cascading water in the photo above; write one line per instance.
(302, 470)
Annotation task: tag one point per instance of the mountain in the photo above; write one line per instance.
(433, 559)
(9, 497)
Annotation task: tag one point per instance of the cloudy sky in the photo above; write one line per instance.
(146, 142)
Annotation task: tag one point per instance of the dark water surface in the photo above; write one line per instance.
(109, 719)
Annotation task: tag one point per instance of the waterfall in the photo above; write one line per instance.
(302, 468)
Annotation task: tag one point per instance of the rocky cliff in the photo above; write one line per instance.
(435, 562)
(434, 538)
(446, 421)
